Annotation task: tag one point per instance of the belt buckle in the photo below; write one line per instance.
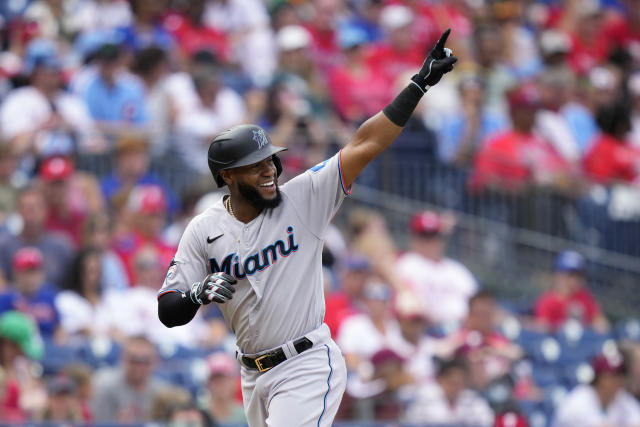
(258, 363)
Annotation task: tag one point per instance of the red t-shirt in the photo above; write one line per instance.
(71, 225)
(338, 307)
(554, 309)
(192, 38)
(358, 96)
(128, 245)
(511, 159)
(609, 160)
(392, 63)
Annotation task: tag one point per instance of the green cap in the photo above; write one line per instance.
(22, 330)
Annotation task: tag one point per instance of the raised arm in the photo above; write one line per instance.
(376, 134)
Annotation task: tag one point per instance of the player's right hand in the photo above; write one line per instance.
(216, 287)
(439, 62)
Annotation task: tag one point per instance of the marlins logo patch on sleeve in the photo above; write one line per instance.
(171, 271)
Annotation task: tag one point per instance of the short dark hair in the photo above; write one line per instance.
(446, 366)
(482, 294)
(614, 119)
(148, 59)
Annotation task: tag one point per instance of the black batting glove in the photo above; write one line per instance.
(439, 62)
(216, 287)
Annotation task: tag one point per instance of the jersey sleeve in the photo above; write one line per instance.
(189, 264)
(318, 193)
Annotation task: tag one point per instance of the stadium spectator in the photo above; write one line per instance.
(367, 17)
(515, 159)
(133, 311)
(410, 341)
(30, 293)
(488, 353)
(101, 15)
(357, 91)
(9, 182)
(146, 28)
(97, 234)
(62, 403)
(147, 207)
(222, 386)
(151, 66)
(441, 284)
(187, 26)
(326, 48)
(83, 314)
(634, 92)
(398, 53)
(187, 415)
(360, 336)
(52, 18)
(246, 25)
(611, 159)
(57, 252)
(131, 168)
(82, 376)
(42, 118)
(556, 90)
(603, 402)
(70, 197)
(212, 108)
(124, 394)
(20, 345)
(115, 100)
(167, 400)
(569, 298)
(347, 299)
(448, 400)
(461, 132)
(392, 380)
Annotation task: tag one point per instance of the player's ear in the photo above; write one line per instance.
(227, 176)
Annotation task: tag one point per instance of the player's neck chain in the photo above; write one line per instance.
(229, 207)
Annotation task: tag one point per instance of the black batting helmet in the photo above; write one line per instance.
(241, 145)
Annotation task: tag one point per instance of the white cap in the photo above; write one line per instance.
(554, 41)
(602, 78)
(634, 84)
(395, 16)
(292, 37)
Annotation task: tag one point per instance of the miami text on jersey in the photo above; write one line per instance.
(258, 261)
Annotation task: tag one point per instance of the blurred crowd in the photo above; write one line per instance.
(546, 94)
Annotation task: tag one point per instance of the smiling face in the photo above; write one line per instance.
(257, 183)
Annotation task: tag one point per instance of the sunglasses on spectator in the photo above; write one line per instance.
(140, 360)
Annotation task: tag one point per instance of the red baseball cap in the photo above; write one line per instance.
(27, 258)
(511, 419)
(220, 363)
(426, 222)
(147, 199)
(608, 364)
(526, 95)
(56, 168)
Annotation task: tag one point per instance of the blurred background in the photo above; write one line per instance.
(484, 271)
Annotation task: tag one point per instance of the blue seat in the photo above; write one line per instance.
(628, 329)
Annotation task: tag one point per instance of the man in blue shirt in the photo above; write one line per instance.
(115, 99)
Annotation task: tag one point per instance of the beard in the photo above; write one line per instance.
(253, 196)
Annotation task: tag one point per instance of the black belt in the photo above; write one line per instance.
(273, 358)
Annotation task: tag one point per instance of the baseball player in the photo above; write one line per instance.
(257, 254)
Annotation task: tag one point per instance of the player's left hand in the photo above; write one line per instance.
(216, 287)
(439, 62)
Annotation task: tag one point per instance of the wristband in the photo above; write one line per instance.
(400, 109)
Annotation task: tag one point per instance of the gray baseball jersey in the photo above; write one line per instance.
(276, 258)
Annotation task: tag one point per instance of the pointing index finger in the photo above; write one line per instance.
(443, 39)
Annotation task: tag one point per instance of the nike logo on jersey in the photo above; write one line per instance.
(210, 240)
(258, 261)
